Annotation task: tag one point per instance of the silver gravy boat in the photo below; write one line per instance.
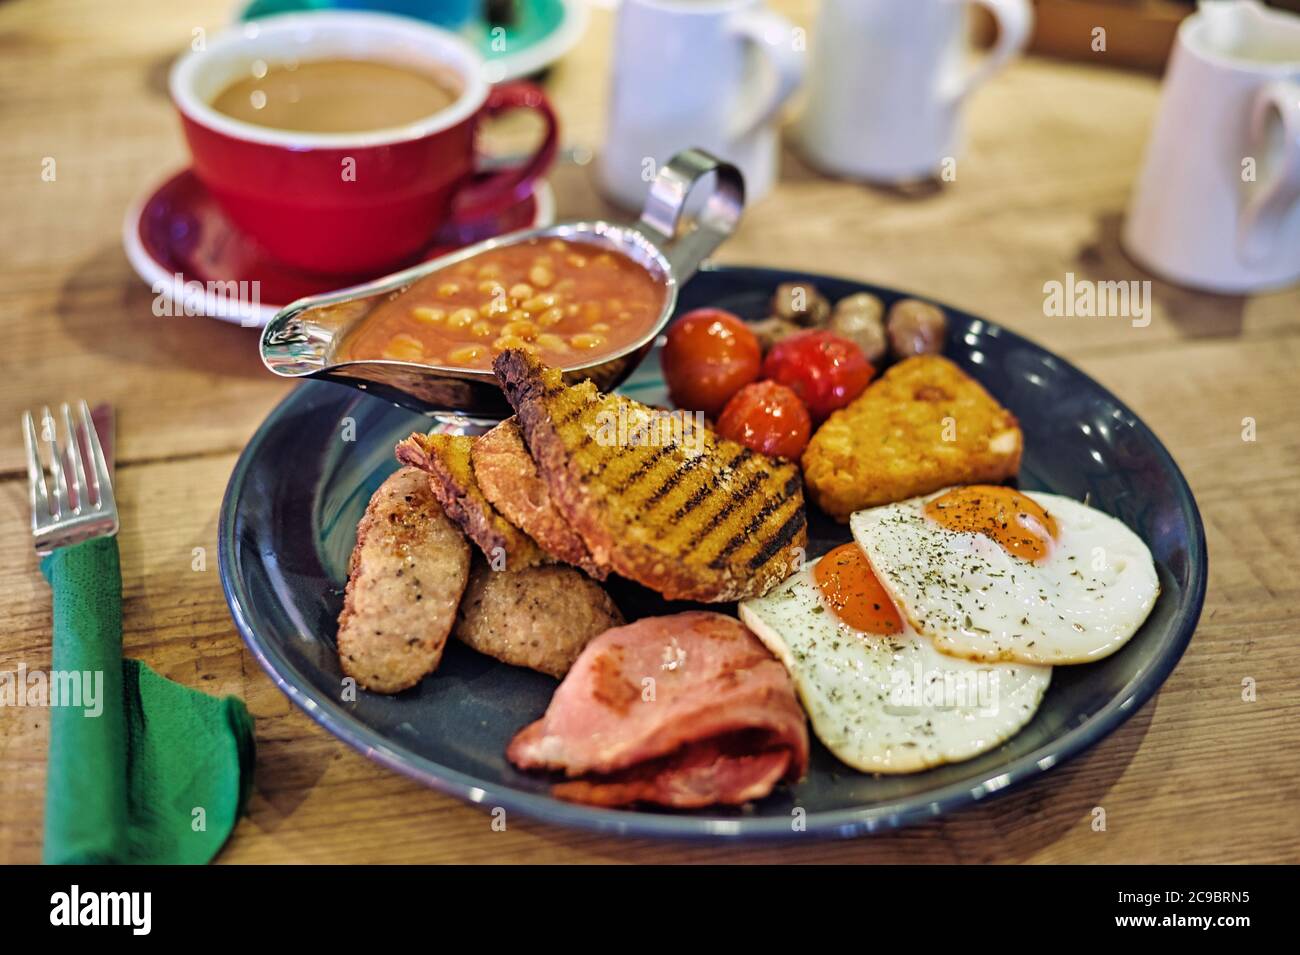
(303, 339)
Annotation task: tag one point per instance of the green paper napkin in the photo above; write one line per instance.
(141, 769)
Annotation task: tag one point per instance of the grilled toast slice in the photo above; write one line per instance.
(662, 501)
(507, 475)
(446, 458)
(923, 426)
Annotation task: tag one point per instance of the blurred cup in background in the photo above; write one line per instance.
(712, 74)
(888, 81)
(1217, 205)
(452, 14)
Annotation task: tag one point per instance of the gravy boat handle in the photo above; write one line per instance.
(666, 203)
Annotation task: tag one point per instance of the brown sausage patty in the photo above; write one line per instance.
(537, 617)
(405, 579)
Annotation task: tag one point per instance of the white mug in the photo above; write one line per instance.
(707, 73)
(888, 81)
(1217, 205)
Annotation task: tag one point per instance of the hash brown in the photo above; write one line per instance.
(923, 426)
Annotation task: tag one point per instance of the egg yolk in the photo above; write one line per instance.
(1003, 514)
(854, 593)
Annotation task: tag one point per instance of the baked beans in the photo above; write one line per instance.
(568, 302)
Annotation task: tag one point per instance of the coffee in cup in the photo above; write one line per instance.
(342, 142)
(337, 96)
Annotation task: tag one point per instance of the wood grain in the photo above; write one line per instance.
(1197, 775)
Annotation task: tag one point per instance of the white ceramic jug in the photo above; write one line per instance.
(889, 79)
(1217, 205)
(712, 74)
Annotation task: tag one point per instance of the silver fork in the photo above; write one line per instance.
(77, 510)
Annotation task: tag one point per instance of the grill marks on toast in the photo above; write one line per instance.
(661, 492)
(715, 499)
(794, 527)
(695, 517)
(642, 470)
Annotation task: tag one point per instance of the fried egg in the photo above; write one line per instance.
(991, 573)
(880, 697)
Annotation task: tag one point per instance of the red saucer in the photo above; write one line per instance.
(177, 229)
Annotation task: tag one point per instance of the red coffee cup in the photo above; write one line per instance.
(351, 203)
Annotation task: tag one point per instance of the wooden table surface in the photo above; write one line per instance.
(1198, 775)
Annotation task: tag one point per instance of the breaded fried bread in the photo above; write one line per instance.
(538, 617)
(405, 579)
(678, 509)
(508, 477)
(446, 458)
(923, 426)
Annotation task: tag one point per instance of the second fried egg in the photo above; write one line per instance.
(991, 573)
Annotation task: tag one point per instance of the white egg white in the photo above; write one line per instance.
(977, 601)
(889, 704)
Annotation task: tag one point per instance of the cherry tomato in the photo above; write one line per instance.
(823, 369)
(767, 417)
(709, 356)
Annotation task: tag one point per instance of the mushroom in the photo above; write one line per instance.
(801, 303)
(915, 328)
(771, 330)
(859, 318)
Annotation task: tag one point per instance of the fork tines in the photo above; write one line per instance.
(81, 504)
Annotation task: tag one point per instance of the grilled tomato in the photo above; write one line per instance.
(823, 369)
(768, 418)
(710, 355)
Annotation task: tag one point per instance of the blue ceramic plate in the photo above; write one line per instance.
(288, 525)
